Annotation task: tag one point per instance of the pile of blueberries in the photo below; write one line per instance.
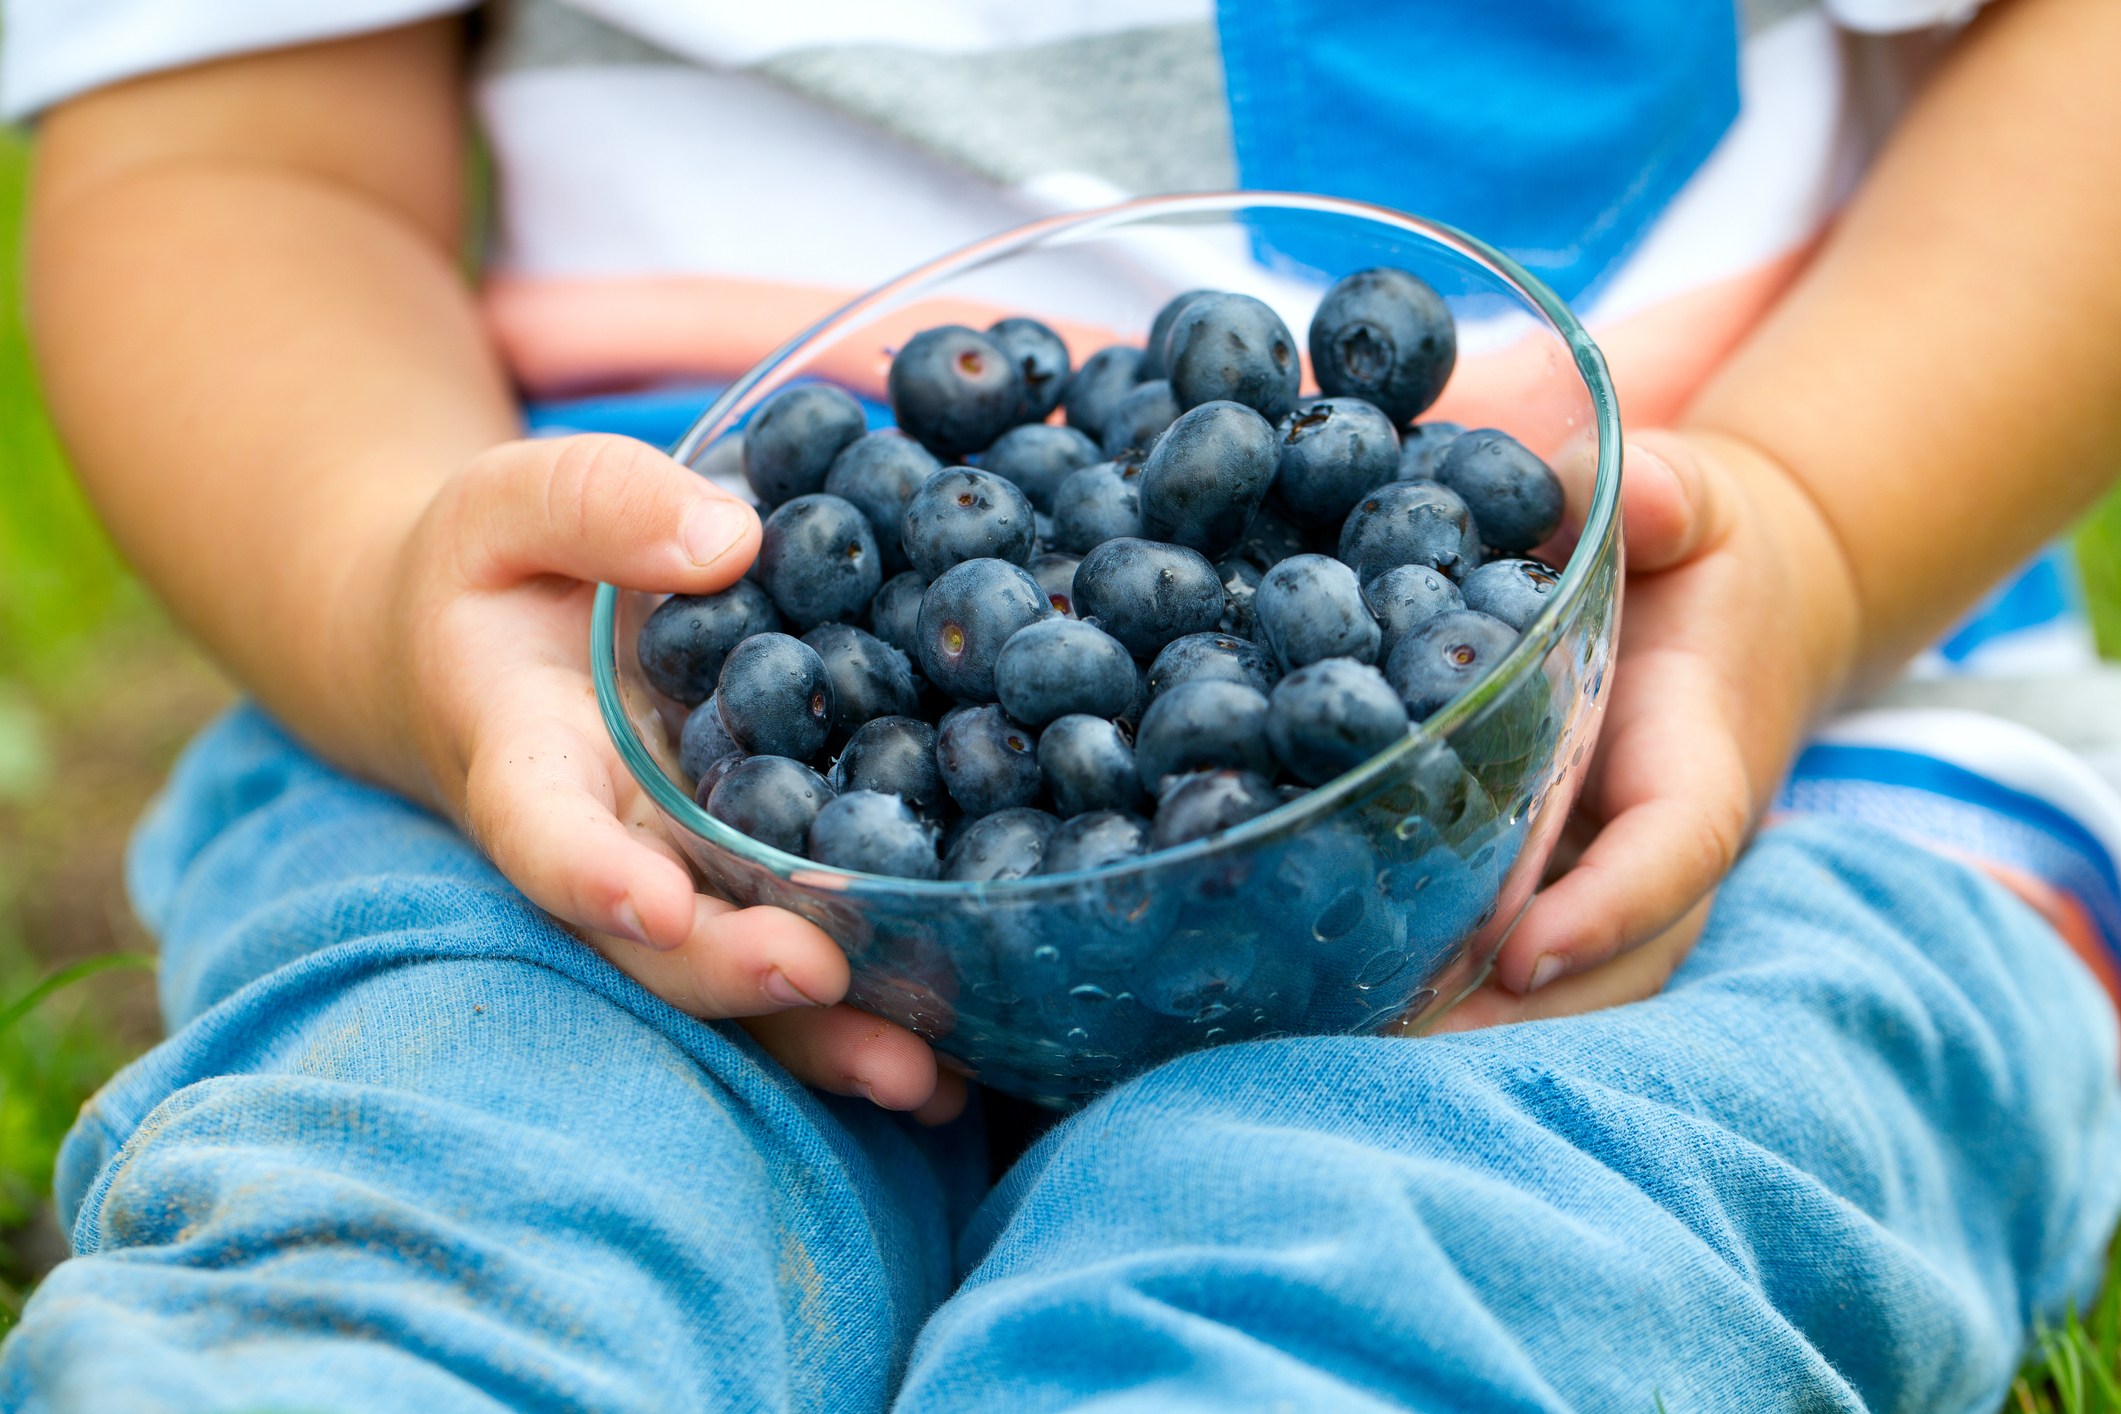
(1036, 647)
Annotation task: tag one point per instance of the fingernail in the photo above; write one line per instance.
(714, 527)
(1544, 971)
(629, 924)
(862, 1088)
(778, 987)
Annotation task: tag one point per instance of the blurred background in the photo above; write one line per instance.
(97, 694)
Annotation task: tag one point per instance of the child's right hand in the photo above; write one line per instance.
(484, 654)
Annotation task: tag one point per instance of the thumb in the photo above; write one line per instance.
(597, 508)
(1673, 503)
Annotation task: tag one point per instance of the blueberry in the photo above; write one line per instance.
(1139, 418)
(895, 755)
(1105, 377)
(1005, 845)
(1514, 496)
(819, 561)
(1146, 594)
(1384, 336)
(1037, 458)
(1332, 451)
(1311, 607)
(895, 612)
(1410, 523)
(1511, 590)
(870, 678)
(1058, 666)
(1199, 975)
(1207, 804)
(953, 391)
(1421, 448)
(1097, 504)
(1087, 764)
(1269, 539)
(1213, 655)
(875, 833)
(1132, 717)
(1233, 348)
(792, 439)
(1154, 364)
(704, 740)
(1203, 724)
(775, 697)
(703, 789)
(1443, 657)
(1240, 589)
(1094, 840)
(1055, 573)
(684, 641)
(878, 475)
(771, 799)
(1207, 476)
(1089, 1020)
(966, 618)
(960, 514)
(988, 762)
(1331, 717)
(1040, 357)
(1407, 597)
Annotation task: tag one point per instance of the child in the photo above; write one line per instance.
(411, 1147)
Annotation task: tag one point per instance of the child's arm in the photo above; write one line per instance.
(273, 383)
(1938, 395)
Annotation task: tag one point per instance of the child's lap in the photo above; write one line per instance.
(411, 1131)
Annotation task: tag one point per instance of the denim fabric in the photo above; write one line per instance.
(412, 1148)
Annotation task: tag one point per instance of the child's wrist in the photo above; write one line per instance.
(1823, 597)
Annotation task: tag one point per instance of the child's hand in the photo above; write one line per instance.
(1738, 628)
(488, 641)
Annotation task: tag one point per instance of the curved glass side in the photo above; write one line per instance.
(1370, 903)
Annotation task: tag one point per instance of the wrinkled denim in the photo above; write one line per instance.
(411, 1147)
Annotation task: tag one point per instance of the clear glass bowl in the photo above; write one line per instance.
(1370, 904)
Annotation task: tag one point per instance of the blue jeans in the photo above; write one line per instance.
(409, 1147)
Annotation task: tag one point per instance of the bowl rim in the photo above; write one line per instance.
(1600, 529)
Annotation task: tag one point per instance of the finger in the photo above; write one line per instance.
(850, 1052)
(948, 1101)
(1675, 795)
(1672, 506)
(739, 962)
(597, 508)
(540, 800)
(1648, 867)
(1630, 977)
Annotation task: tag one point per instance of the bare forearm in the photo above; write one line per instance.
(1942, 382)
(262, 374)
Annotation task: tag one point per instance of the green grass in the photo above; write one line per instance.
(55, 1049)
(2076, 1368)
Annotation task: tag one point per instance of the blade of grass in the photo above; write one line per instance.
(66, 977)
